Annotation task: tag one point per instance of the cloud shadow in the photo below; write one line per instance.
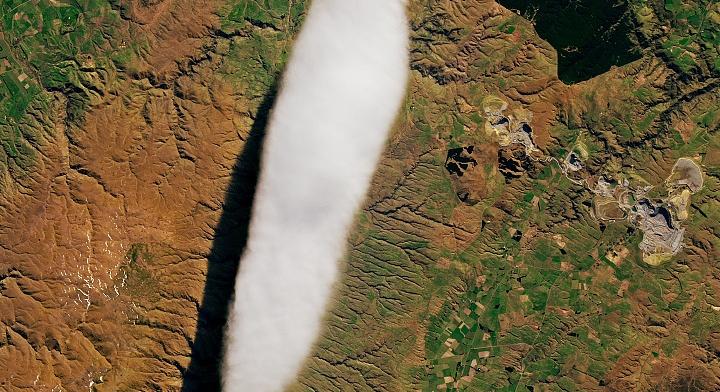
(205, 370)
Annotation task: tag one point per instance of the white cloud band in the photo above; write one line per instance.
(341, 91)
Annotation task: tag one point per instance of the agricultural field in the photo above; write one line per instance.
(49, 47)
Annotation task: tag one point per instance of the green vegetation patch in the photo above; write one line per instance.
(49, 46)
(135, 276)
(275, 14)
(690, 31)
(45, 42)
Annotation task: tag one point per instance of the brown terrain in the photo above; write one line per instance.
(105, 247)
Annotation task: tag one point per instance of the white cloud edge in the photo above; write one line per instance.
(341, 91)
